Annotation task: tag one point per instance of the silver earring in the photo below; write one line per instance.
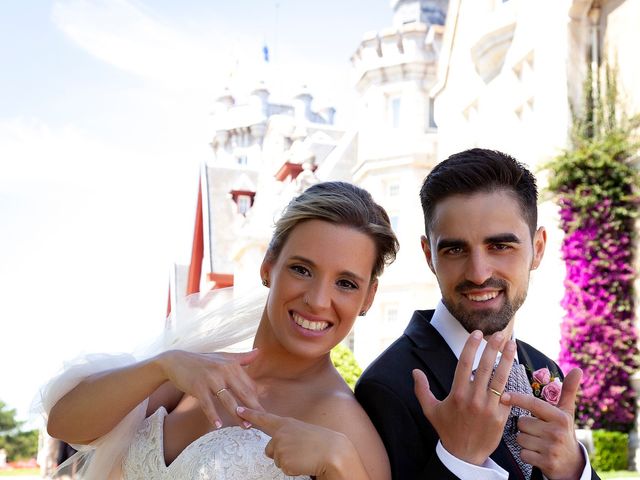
(363, 313)
(265, 282)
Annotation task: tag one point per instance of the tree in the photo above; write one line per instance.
(18, 444)
(7, 418)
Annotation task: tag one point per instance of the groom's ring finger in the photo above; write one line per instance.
(501, 373)
(497, 393)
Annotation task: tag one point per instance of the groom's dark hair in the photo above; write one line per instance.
(480, 170)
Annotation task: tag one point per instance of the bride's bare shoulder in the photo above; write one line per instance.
(339, 410)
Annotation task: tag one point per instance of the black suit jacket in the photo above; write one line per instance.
(385, 390)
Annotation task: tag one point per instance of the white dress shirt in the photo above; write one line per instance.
(456, 336)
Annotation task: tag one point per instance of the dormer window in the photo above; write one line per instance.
(243, 200)
(288, 170)
(244, 204)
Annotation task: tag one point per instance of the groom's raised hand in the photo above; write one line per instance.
(548, 438)
(470, 420)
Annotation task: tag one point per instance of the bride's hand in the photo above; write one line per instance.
(299, 448)
(206, 376)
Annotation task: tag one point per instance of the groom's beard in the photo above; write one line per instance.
(488, 321)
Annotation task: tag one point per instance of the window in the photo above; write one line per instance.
(244, 204)
(242, 160)
(393, 189)
(431, 113)
(391, 314)
(394, 107)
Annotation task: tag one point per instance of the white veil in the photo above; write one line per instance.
(211, 322)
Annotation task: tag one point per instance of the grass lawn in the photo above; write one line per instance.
(619, 474)
(19, 472)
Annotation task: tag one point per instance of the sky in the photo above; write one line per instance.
(105, 119)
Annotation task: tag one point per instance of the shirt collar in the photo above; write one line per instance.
(455, 334)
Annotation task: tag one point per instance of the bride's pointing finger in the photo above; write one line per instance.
(267, 422)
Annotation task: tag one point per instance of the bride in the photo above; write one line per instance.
(278, 411)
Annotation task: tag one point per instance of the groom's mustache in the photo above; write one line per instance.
(468, 286)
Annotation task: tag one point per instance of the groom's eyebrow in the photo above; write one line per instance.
(311, 263)
(493, 239)
(502, 238)
(450, 242)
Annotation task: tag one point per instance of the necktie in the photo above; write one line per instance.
(517, 382)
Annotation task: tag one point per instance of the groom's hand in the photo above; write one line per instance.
(471, 420)
(548, 438)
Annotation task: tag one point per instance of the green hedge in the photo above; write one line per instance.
(611, 450)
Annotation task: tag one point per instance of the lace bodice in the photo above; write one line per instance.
(231, 453)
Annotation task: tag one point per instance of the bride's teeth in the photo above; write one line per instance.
(482, 298)
(304, 323)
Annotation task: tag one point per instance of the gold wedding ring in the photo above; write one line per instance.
(220, 391)
(496, 392)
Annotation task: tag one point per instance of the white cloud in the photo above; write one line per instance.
(127, 37)
(89, 229)
(31, 152)
(197, 62)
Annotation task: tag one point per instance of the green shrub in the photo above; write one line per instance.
(611, 450)
(346, 364)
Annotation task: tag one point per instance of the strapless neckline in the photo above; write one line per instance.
(231, 453)
(193, 444)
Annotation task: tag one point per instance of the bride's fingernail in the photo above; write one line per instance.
(246, 424)
(218, 424)
(239, 409)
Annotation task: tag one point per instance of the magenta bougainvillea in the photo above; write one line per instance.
(596, 187)
(598, 333)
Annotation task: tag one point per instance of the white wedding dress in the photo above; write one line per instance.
(134, 449)
(231, 453)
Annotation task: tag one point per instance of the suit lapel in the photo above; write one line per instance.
(532, 359)
(525, 359)
(433, 352)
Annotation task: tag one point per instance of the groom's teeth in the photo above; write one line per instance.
(304, 323)
(482, 298)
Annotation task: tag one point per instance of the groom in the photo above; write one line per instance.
(452, 397)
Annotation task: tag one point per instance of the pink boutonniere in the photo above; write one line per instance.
(546, 386)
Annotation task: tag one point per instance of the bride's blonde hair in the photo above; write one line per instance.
(341, 203)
